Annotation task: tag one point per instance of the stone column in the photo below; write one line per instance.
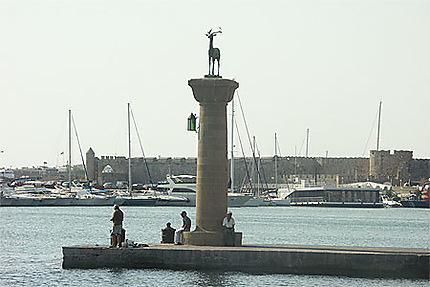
(213, 94)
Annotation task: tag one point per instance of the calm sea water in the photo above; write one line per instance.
(32, 237)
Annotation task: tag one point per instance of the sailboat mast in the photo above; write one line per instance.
(258, 175)
(232, 148)
(378, 138)
(69, 166)
(295, 161)
(276, 163)
(307, 142)
(255, 167)
(129, 150)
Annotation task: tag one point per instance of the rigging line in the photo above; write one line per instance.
(80, 150)
(244, 158)
(249, 137)
(280, 156)
(262, 169)
(371, 131)
(247, 176)
(303, 142)
(241, 188)
(246, 125)
(279, 149)
(141, 146)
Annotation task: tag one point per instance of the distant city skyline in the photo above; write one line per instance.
(317, 65)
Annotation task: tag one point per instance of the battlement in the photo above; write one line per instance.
(382, 166)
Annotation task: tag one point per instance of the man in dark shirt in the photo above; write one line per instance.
(167, 233)
(117, 218)
(186, 226)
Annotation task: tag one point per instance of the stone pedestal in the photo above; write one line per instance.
(213, 94)
(208, 238)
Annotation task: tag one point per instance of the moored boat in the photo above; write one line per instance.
(421, 200)
(415, 203)
(327, 196)
(389, 202)
(186, 186)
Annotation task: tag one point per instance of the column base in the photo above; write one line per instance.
(202, 238)
(212, 76)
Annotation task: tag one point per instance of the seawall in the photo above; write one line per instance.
(382, 166)
(292, 259)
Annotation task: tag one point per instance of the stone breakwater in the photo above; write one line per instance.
(289, 259)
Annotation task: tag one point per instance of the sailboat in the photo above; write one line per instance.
(81, 194)
(257, 199)
(70, 194)
(281, 198)
(235, 198)
(137, 199)
(149, 197)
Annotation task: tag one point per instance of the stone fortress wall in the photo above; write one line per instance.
(397, 167)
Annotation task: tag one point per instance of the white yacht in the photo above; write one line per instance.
(186, 186)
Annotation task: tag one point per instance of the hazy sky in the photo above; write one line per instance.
(322, 65)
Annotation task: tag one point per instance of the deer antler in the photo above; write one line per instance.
(219, 31)
(210, 33)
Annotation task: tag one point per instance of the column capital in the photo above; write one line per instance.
(213, 90)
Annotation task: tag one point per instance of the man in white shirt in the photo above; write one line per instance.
(229, 234)
(186, 226)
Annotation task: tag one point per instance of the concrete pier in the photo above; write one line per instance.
(213, 94)
(261, 259)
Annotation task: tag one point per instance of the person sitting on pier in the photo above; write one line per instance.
(186, 226)
(117, 219)
(229, 233)
(167, 234)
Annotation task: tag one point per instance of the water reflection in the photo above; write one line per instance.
(212, 278)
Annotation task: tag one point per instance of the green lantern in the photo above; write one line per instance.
(191, 122)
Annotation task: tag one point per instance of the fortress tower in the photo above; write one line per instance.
(91, 165)
(391, 167)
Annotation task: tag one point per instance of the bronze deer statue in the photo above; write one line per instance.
(214, 53)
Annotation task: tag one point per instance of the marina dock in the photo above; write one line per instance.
(258, 259)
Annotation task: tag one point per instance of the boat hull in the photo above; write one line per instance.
(340, 204)
(19, 201)
(139, 202)
(166, 200)
(416, 203)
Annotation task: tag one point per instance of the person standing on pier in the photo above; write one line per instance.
(117, 219)
(228, 225)
(186, 226)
